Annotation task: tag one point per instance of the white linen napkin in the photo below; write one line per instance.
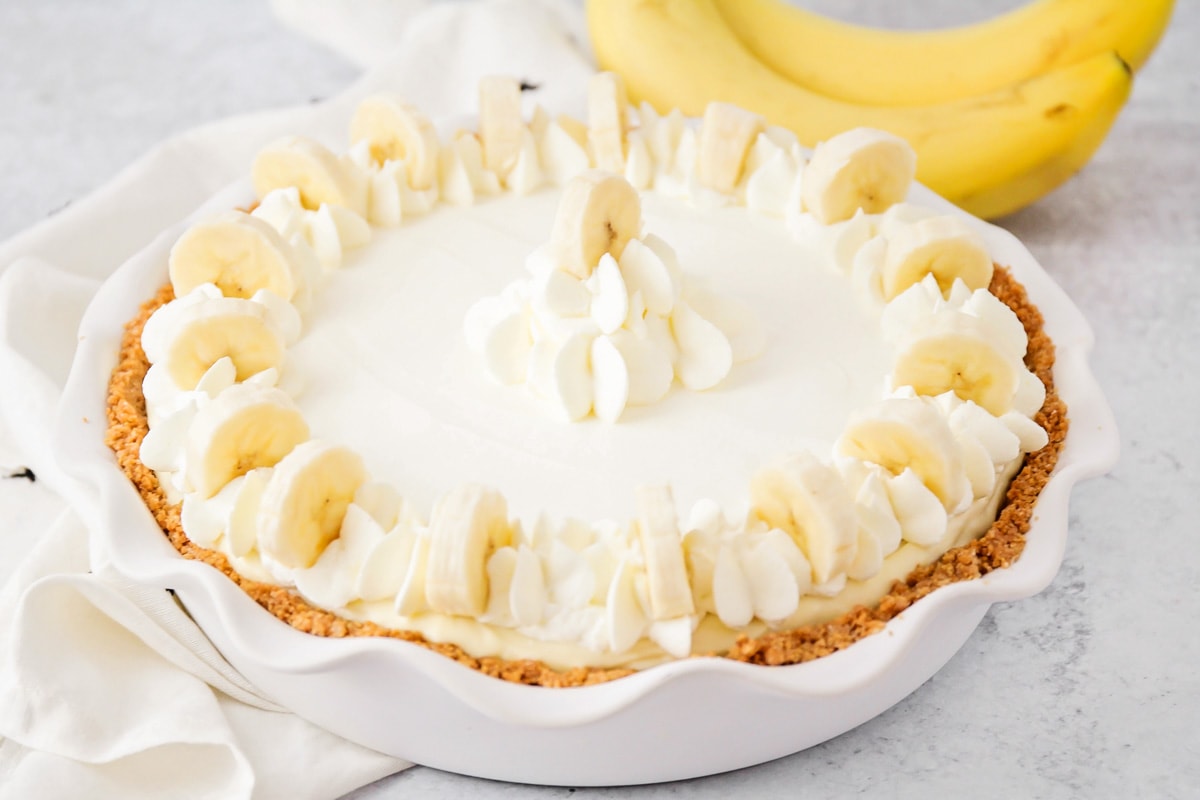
(366, 31)
(108, 689)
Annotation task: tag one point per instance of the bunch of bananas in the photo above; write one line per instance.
(999, 112)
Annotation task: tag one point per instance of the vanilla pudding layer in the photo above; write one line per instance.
(383, 367)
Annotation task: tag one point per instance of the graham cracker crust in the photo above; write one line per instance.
(999, 547)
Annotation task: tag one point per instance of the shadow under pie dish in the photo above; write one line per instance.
(863, 679)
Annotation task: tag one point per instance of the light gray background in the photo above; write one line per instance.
(1091, 689)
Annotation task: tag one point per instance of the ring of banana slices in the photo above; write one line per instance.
(229, 444)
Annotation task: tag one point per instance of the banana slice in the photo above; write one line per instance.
(599, 213)
(944, 247)
(861, 168)
(243, 428)
(305, 501)
(500, 124)
(221, 327)
(809, 501)
(396, 131)
(908, 433)
(578, 131)
(956, 354)
(662, 549)
(237, 253)
(726, 136)
(608, 121)
(312, 168)
(466, 525)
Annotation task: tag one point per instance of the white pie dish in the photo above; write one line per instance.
(717, 715)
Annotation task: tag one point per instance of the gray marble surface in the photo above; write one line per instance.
(1091, 689)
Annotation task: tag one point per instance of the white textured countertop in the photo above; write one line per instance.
(1091, 689)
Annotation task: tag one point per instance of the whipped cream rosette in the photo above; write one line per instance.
(605, 321)
(316, 172)
(968, 342)
(328, 232)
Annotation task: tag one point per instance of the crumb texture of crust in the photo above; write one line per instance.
(999, 547)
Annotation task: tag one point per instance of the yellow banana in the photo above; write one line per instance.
(991, 154)
(890, 68)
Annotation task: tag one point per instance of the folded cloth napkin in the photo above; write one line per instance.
(366, 31)
(109, 689)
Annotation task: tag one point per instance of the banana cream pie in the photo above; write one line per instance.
(563, 400)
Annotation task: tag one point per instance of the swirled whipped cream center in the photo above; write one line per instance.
(618, 338)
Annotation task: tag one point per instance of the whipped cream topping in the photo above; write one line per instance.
(390, 194)
(561, 146)
(203, 342)
(327, 232)
(526, 175)
(617, 338)
(856, 246)
(462, 177)
(662, 136)
(770, 183)
(740, 573)
(354, 384)
(557, 587)
(921, 323)
(228, 522)
(166, 448)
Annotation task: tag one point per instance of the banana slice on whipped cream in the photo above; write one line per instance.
(658, 532)
(501, 126)
(909, 433)
(598, 214)
(863, 169)
(398, 132)
(808, 500)
(304, 503)
(187, 336)
(608, 121)
(969, 343)
(726, 136)
(467, 524)
(320, 176)
(944, 247)
(239, 254)
(607, 319)
(244, 427)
